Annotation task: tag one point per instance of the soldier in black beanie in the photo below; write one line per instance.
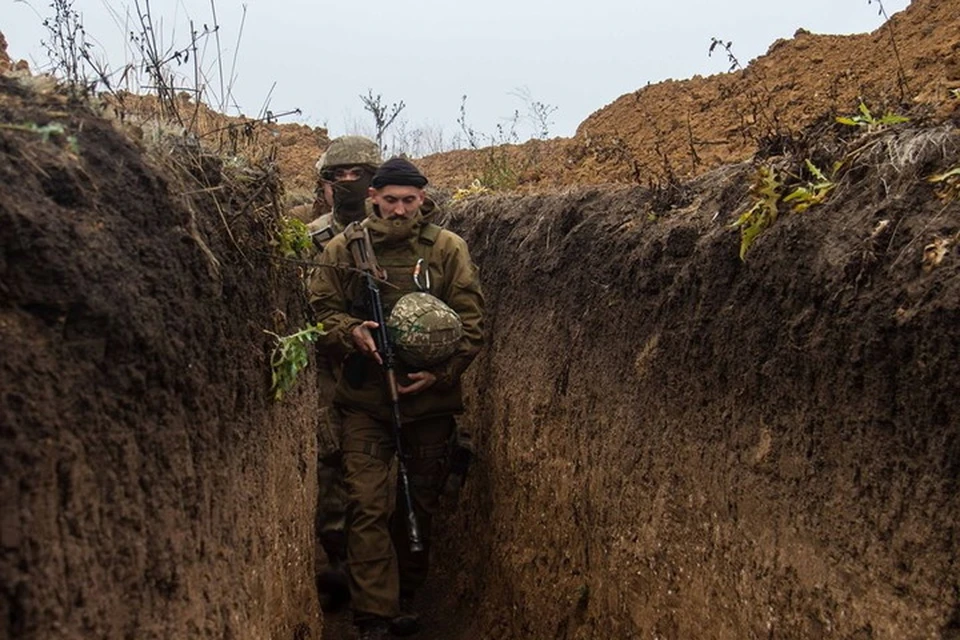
(400, 172)
(385, 572)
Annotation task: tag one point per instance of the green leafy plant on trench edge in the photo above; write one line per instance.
(293, 238)
(815, 191)
(765, 189)
(866, 119)
(767, 192)
(289, 357)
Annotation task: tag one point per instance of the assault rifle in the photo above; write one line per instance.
(361, 248)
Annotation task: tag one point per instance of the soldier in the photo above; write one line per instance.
(417, 256)
(345, 171)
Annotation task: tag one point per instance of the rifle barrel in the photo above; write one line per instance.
(389, 364)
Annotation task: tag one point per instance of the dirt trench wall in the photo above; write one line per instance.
(677, 444)
(150, 487)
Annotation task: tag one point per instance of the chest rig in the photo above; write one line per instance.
(405, 267)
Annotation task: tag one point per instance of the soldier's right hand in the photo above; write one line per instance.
(363, 340)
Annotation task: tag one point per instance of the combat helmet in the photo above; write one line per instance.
(424, 330)
(349, 151)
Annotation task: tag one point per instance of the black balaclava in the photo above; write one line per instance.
(349, 197)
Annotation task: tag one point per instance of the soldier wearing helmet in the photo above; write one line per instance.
(438, 332)
(344, 172)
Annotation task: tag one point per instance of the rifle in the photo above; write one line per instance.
(361, 248)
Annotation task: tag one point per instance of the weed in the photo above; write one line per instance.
(476, 188)
(538, 113)
(498, 170)
(383, 114)
(901, 75)
(728, 47)
(289, 357)
(762, 121)
(765, 190)
(866, 119)
(813, 192)
(293, 238)
(947, 184)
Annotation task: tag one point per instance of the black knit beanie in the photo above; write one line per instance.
(398, 172)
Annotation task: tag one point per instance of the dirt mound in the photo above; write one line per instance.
(678, 444)
(690, 126)
(6, 64)
(151, 488)
(294, 148)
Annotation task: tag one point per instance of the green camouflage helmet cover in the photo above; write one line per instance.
(350, 151)
(424, 330)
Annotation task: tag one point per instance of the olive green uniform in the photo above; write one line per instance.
(332, 495)
(381, 567)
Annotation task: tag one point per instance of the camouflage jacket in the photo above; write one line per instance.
(340, 302)
(324, 228)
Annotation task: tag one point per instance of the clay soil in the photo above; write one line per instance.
(687, 127)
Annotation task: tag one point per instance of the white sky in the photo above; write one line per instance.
(577, 56)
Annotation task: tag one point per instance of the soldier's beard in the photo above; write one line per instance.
(397, 229)
(349, 198)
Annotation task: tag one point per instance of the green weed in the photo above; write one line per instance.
(293, 238)
(813, 192)
(765, 190)
(866, 119)
(289, 357)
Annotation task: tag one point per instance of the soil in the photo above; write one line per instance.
(675, 443)
(151, 487)
(672, 442)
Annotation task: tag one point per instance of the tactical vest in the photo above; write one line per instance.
(399, 262)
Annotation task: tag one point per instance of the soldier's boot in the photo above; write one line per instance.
(373, 629)
(408, 622)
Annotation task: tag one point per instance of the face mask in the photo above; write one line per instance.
(349, 198)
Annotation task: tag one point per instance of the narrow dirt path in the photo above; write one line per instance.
(443, 618)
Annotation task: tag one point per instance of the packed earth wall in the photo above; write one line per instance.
(675, 443)
(151, 487)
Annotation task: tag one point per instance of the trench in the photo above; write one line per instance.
(672, 442)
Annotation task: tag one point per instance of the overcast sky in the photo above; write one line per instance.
(575, 56)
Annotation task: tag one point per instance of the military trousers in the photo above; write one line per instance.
(379, 561)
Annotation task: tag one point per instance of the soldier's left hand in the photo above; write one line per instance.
(422, 380)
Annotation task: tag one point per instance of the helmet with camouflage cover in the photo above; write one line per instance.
(424, 329)
(350, 151)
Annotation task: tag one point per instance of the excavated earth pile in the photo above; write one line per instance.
(150, 487)
(675, 443)
(687, 127)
